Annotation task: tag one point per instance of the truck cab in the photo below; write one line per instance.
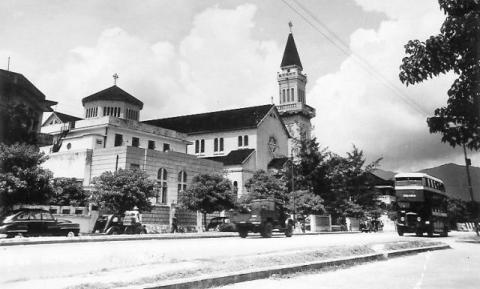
(262, 216)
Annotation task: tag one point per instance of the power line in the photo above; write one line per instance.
(336, 41)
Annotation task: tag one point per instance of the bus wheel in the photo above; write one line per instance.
(400, 231)
(445, 232)
(430, 231)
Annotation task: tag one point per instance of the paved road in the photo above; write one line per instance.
(456, 268)
(21, 266)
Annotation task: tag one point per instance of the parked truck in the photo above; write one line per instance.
(262, 216)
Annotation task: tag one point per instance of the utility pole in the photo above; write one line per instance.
(470, 188)
(293, 192)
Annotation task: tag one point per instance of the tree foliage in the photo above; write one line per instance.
(123, 190)
(327, 182)
(68, 192)
(22, 180)
(263, 185)
(456, 49)
(208, 193)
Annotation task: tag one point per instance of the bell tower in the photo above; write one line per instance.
(293, 109)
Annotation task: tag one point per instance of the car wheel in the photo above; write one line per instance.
(111, 231)
(289, 230)
(71, 234)
(243, 232)
(267, 230)
(419, 233)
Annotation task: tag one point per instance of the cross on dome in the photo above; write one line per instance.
(115, 77)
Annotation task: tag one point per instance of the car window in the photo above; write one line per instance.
(22, 216)
(35, 215)
(46, 216)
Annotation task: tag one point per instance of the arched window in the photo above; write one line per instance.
(162, 183)
(245, 140)
(235, 188)
(197, 146)
(182, 183)
(202, 146)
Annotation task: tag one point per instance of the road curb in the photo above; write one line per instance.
(112, 238)
(242, 276)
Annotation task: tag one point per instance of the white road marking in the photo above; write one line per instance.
(420, 281)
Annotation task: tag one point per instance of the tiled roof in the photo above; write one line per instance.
(15, 82)
(66, 117)
(113, 93)
(225, 120)
(236, 157)
(277, 163)
(290, 55)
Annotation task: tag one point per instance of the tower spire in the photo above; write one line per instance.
(290, 54)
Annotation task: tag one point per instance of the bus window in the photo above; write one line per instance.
(408, 181)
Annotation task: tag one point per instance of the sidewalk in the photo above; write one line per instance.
(111, 238)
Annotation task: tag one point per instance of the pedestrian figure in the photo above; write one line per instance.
(174, 225)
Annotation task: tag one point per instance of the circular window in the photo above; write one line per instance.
(69, 146)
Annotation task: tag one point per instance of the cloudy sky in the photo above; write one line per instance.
(181, 57)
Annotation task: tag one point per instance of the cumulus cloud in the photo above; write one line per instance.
(357, 107)
(217, 65)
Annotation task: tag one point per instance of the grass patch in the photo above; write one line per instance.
(410, 244)
(207, 267)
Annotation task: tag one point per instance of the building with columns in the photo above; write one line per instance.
(110, 137)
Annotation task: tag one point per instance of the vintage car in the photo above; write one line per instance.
(36, 222)
(221, 224)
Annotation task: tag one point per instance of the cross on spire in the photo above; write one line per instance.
(290, 24)
(115, 77)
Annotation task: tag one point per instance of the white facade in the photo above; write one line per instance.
(101, 132)
(269, 140)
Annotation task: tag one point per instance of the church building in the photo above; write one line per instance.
(237, 141)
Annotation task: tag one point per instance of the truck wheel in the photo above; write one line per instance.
(400, 231)
(243, 232)
(267, 230)
(289, 230)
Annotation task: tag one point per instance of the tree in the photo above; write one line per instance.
(208, 193)
(123, 190)
(68, 192)
(22, 180)
(339, 185)
(306, 203)
(457, 49)
(263, 185)
(354, 192)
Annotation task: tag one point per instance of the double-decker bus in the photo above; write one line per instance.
(421, 204)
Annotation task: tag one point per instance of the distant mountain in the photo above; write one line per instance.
(455, 179)
(386, 175)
